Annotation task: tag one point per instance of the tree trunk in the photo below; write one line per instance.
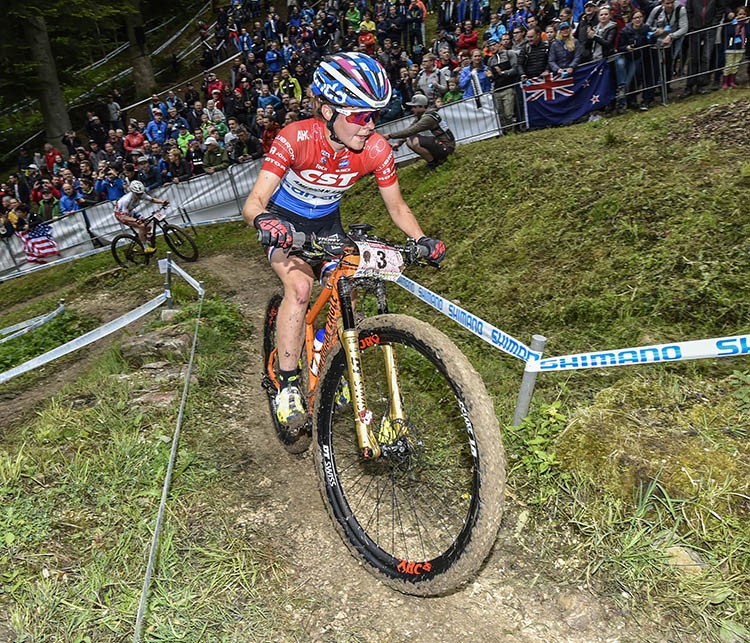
(143, 72)
(48, 90)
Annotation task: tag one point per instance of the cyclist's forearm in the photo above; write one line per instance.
(258, 199)
(400, 212)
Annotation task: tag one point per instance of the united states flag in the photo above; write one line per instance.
(38, 243)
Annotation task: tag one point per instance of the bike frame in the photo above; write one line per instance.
(340, 326)
(153, 221)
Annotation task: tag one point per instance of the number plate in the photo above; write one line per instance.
(379, 260)
(160, 215)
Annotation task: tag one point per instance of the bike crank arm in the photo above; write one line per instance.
(368, 445)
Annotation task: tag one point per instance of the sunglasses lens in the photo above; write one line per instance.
(362, 118)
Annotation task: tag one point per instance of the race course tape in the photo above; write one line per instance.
(85, 339)
(30, 324)
(482, 329)
(163, 263)
(732, 346)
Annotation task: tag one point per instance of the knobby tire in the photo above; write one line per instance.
(424, 519)
(180, 242)
(128, 251)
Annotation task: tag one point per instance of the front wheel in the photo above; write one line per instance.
(423, 516)
(294, 442)
(128, 251)
(180, 242)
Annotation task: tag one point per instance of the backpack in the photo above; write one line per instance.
(441, 131)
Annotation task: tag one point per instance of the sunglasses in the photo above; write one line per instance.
(359, 118)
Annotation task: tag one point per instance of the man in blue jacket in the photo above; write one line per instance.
(110, 185)
(156, 130)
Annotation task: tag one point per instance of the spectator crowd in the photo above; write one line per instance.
(205, 127)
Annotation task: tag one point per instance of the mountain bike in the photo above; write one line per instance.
(407, 447)
(128, 250)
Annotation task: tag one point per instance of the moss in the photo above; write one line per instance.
(688, 432)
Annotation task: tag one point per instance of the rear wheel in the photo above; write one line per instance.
(297, 441)
(423, 516)
(180, 242)
(128, 251)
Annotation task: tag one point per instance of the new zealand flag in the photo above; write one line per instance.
(558, 99)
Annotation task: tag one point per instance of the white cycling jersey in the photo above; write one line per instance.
(126, 204)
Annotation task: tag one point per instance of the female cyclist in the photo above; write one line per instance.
(309, 166)
(125, 212)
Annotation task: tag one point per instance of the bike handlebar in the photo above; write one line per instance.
(316, 247)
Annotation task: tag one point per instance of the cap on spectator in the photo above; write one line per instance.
(493, 41)
(215, 91)
(564, 25)
(592, 3)
(418, 100)
(183, 126)
(32, 166)
(211, 141)
(143, 159)
(244, 79)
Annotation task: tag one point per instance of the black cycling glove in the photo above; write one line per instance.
(436, 248)
(279, 230)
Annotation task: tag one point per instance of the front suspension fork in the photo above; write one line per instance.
(369, 444)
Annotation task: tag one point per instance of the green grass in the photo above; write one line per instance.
(55, 332)
(79, 489)
(605, 235)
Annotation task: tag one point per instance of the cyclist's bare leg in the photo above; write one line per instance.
(297, 277)
(137, 226)
(142, 232)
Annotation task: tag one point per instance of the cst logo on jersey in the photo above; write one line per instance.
(316, 177)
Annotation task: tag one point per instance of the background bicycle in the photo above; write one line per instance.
(129, 251)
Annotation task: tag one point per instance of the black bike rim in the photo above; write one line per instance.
(413, 571)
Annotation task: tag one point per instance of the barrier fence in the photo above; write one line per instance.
(220, 196)
(11, 332)
(729, 346)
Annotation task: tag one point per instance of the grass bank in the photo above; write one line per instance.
(606, 235)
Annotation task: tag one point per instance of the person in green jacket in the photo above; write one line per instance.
(49, 206)
(184, 138)
(215, 158)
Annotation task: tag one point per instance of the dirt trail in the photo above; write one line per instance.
(509, 600)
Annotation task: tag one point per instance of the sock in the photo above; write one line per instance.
(288, 378)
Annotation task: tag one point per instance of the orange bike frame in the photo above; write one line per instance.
(346, 267)
(369, 443)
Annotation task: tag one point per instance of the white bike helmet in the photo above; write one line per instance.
(352, 80)
(136, 187)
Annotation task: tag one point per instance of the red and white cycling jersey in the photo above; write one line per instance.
(128, 202)
(313, 176)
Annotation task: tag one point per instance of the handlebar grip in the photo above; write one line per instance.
(298, 238)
